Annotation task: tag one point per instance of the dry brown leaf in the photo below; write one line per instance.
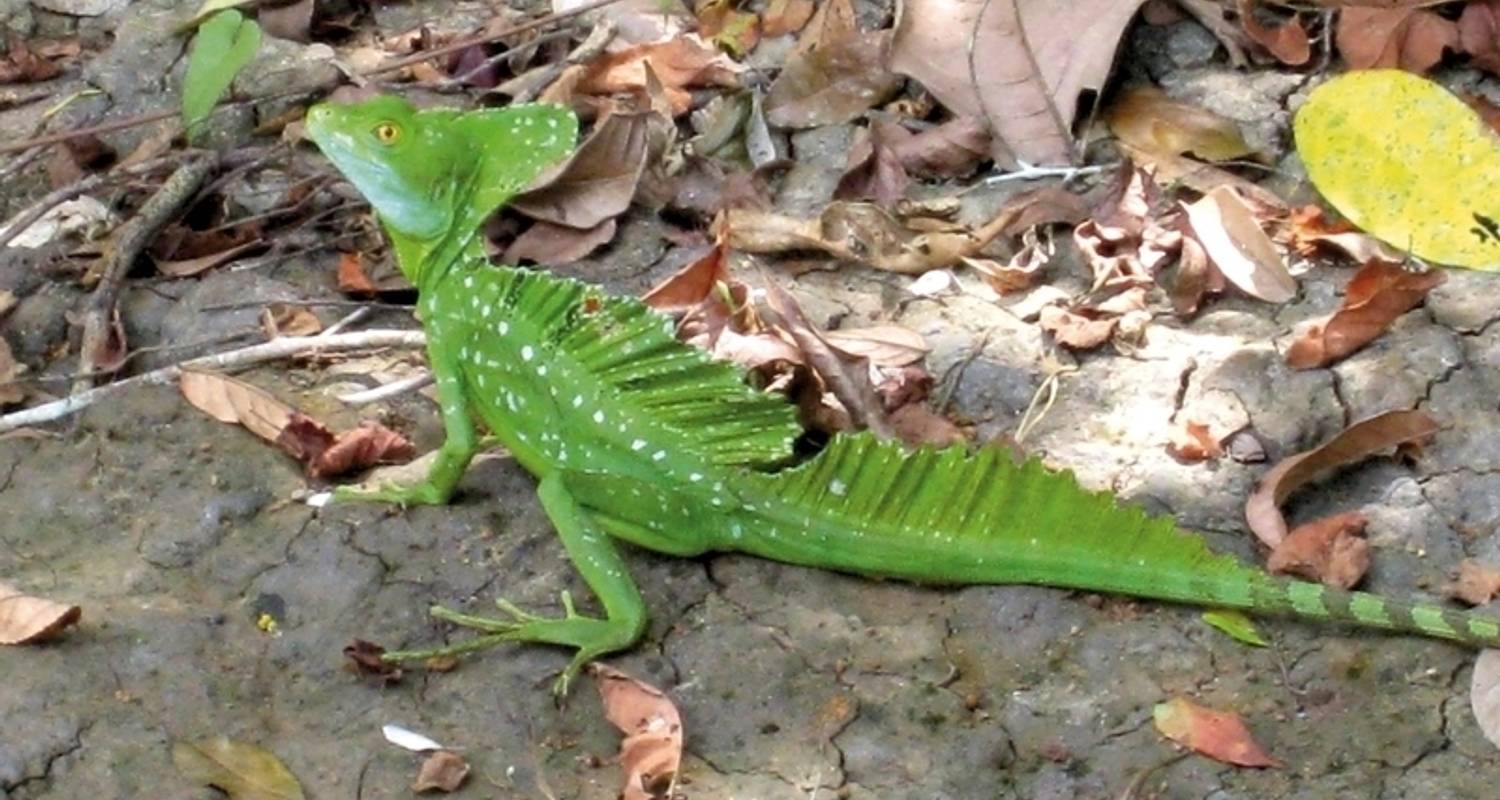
(443, 771)
(1332, 550)
(728, 27)
(1146, 118)
(1076, 329)
(1021, 272)
(365, 660)
(690, 286)
(1194, 441)
(679, 62)
(285, 319)
(833, 19)
(874, 170)
(1232, 237)
(951, 150)
(1032, 60)
(351, 275)
(242, 771)
(785, 16)
(651, 752)
(328, 455)
(1362, 440)
(1377, 294)
(1411, 38)
(1309, 230)
(883, 345)
(552, 245)
(1477, 583)
(1195, 276)
(1287, 42)
(10, 369)
(916, 424)
(834, 83)
(1220, 735)
(25, 619)
(847, 378)
(291, 21)
(188, 267)
(230, 400)
(1479, 34)
(599, 180)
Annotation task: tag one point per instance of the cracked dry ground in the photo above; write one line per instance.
(176, 532)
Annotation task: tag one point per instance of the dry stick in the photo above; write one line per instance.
(284, 347)
(486, 38)
(129, 242)
(84, 185)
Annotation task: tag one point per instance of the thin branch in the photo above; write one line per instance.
(273, 350)
(392, 389)
(101, 317)
(485, 38)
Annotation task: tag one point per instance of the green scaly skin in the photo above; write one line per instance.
(635, 436)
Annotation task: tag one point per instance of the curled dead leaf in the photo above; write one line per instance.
(1287, 42)
(1377, 294)
(10, 369)
(834, 83)
(1194, 441)
(25, 619)
(1332, 550)
(365, 659)
(688, 287)
(1363, 439)
(1477, 583)
(443, 771)
(1220, 735)
(1232, 237)
(651, 752)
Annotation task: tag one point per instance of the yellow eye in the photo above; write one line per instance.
(386, 133)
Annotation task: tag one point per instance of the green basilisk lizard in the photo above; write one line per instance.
(633, 435)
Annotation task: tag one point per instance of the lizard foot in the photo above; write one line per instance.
(415, 494)
(592, 637)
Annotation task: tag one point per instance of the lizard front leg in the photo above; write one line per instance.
(597, 560)
(459, 446)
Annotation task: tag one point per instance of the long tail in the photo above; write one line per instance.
(947, 516)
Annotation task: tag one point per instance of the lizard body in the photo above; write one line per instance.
(633, 435)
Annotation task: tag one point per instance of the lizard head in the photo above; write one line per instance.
(432, 173)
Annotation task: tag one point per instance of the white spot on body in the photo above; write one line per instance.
(658, 455)
(527, 353)
(638, 444)
(598, 416)
(837, 488)
(503, 327)
(577, 400)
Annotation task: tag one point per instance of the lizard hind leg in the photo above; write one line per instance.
(597, 560)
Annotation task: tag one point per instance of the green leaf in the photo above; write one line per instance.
(242, 771)
(224, 45)
(1237, 625)
(1408, 162)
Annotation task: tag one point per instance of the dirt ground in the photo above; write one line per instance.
(176, 533)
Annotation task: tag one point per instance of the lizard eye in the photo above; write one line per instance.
(387, 133)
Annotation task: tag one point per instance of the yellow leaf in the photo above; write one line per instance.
(1408, 162)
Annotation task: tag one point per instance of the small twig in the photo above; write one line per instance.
(39, 209)
(1027, 172)
(510, 53)
(349, 319)
(392, 389)
(486, 38)
(129, 242)
(284, 347)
